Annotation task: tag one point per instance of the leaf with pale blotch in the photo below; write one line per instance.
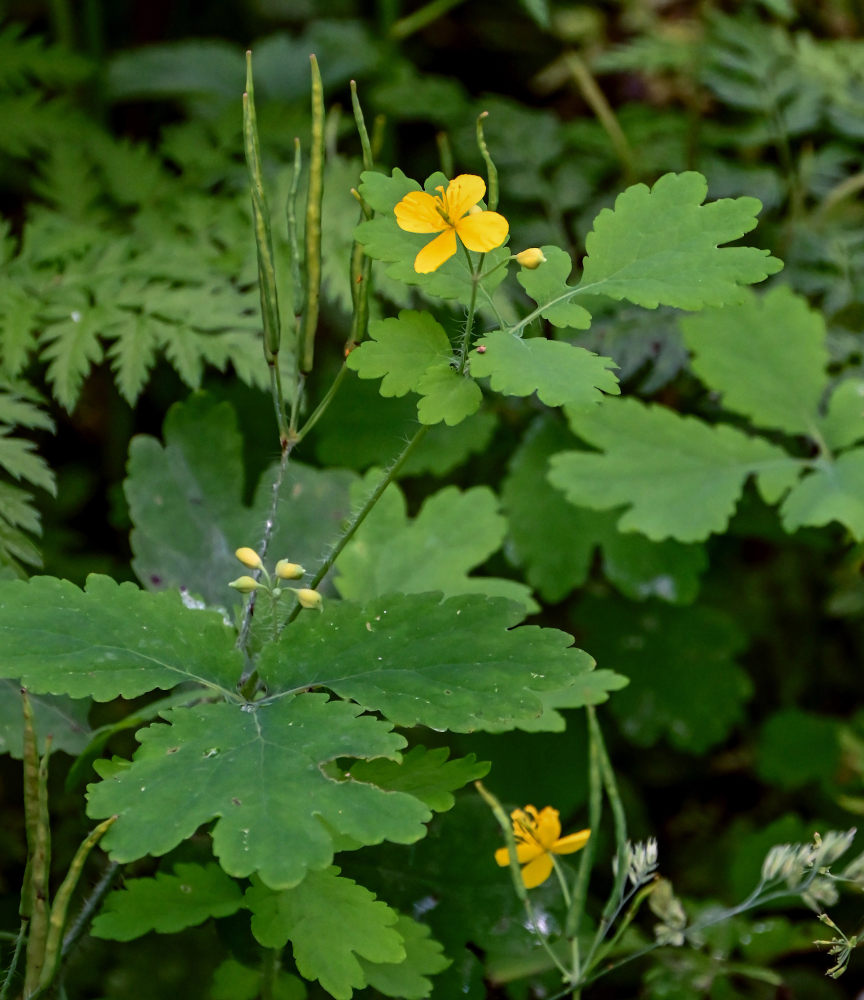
(447, 395)
(555, 541)
(765, 356)
(330, 922)
(662, 246)
(677, 476)
(457, 664)
(400, 350)
(186, 503)
(408, 979)
(167, 903)
(452, 533)
(257, 771)
(832, 491)
(547, 285)
(110, 640)
(557, 371)
(425, 774)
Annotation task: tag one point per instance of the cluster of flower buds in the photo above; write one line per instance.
(284, 570)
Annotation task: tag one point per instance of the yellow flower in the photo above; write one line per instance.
(451, 213)
(289, 571)
(309, 598)
(538, 837)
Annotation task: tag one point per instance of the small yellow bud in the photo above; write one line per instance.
(530, 258)
(475, 210)
(288, 571)
(309, 598)
(249, 557)
(245, 584)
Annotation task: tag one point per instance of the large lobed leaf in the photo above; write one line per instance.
(556, 541)
(678, 477)
(256, 770)
(662, 246)
(331, 923)
(185, 500)
(167, 903)
(453, 532)
(110, 640)
(456, 664)
(557, 371)
(766, 356)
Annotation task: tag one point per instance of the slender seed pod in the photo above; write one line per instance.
(314, 196)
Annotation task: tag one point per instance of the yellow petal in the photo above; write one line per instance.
(418, 213)
(483, 231)
(433, 255)
(548, 827)
(572, 842)
(537, 871)
(524, 854)
(463, 192)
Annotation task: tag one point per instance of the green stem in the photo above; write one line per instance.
(60, 906)
(320, 409)
(248, 678)
(16, 958)
(294, 243)
(89, 909)
(360, 122)
(586, 863)
(362, 514)
(472, 305)
(620, 821)
(406, 26)
(596, 100)
(271, 966)
(491, 170)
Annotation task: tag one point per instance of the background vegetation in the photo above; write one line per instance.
(129, 280)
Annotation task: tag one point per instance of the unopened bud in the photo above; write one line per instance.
(475, 210)
(245, 584)
(289, 571)
(309, 599)
(249, 557)
(531, 258)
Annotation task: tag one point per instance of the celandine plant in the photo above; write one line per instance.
(302, 724)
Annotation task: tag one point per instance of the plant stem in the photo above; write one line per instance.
(472, 305)
(596, 100)
(320, 409)
(406, 26)
(16, 958)
(620, 821)
(272, 963)
(361, 515)
(88, 910)
(314, 195)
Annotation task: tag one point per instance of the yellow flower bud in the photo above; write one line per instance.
(288, 571)
(530, 258)
(475, 210)
(245, 584)
(309, 598)
(249, 557)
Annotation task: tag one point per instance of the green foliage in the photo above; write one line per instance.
(63, 719)
(679, 477)
(258, 773)
(661, 650)
(426, 774)
(677, 260)
(796, 748)
(306, 916)
(452, 533)
(456, 664)
(186, 501)
(558, 372)
(168, 903)
(110, 640)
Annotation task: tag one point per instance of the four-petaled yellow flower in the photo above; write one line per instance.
(538, 837)
(450, 214)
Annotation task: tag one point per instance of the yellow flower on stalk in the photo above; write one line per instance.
(538, 837)
(451, 213)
